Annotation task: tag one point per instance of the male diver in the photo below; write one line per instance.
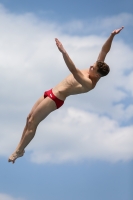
(79, 81)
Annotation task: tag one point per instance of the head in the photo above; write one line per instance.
(99, 69)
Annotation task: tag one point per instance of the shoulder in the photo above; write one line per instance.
(89, 84)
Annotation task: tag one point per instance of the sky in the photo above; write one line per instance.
(84, 150)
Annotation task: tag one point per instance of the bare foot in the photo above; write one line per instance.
(15, 155)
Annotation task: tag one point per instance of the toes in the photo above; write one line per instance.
(9, 160)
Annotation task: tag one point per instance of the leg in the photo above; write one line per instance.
(34, 107)
(38, 113)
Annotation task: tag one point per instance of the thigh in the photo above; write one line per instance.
(43, 110)
(36, 104)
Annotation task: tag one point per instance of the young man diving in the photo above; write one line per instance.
(79, 81)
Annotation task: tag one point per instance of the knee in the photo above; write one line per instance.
(29, 116)
(31, 122)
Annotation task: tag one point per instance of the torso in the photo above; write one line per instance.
(70, 86)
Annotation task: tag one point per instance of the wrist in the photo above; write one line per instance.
(64, 52)
(113, 34)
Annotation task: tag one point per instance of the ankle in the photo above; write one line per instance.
(18, 151)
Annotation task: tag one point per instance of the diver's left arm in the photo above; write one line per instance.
(107, 45)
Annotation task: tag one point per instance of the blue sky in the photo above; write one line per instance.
(85, 149)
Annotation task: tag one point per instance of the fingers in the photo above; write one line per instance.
(116, 31)
(57, 41)
(121, 28)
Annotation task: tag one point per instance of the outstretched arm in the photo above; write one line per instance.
(66, 57)
(107, 45)
(78, 75)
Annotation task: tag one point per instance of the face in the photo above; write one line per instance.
(93, 71)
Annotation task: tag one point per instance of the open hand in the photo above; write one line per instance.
(60, 46)
(117, 30)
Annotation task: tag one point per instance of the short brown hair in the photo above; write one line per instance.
(103, 68)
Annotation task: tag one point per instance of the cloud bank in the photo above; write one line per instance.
(75, 135)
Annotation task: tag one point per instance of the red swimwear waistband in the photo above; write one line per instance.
(57, 101)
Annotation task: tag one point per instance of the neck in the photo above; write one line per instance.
(94, 79)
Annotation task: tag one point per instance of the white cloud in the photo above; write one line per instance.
(75, 135)
(98, 25)
(123, 19)
(30, 64)
(8, 197)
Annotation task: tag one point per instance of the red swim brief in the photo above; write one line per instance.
(57, 101)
